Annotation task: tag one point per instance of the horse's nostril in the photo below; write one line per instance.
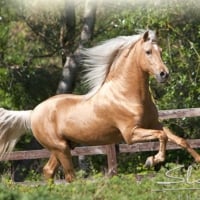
(164, 74)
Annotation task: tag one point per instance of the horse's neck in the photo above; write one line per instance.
(128, 80)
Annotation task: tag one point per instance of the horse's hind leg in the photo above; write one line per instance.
(182, 142)
(65, 160)
(51, 166)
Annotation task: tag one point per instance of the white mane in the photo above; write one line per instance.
(97, 60)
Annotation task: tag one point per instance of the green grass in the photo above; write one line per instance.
(149, 185)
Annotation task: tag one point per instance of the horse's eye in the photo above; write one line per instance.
(148, 52)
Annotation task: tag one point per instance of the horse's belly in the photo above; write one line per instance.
(90, 130)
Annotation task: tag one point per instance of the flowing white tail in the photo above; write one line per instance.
(13, 124)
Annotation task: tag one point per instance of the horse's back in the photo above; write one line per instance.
(51, 104)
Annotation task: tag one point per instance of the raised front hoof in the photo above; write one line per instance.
(149, 162)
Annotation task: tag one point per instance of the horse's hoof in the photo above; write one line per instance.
(149, 162)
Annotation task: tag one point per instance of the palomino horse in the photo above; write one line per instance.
(118, 108)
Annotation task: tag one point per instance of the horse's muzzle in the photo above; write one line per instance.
(162, 77)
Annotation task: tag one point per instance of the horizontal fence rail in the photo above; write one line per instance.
(179, 113)
(110, 150)
(43, 153)
(98, 150)
(154, 146)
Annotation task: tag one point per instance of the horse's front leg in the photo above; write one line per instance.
(137, 134)
(181, 142)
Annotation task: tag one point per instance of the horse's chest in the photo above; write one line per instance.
(149, 116)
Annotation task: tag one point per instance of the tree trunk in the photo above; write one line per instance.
(71, 67)
(68, 28)
(88, 21)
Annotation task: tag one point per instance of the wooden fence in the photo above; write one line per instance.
(110, 150)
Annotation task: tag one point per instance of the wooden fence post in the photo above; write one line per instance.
(112, 159)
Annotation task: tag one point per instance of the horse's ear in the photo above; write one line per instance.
(146, 36)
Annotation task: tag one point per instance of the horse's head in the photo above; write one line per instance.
(150, 57)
